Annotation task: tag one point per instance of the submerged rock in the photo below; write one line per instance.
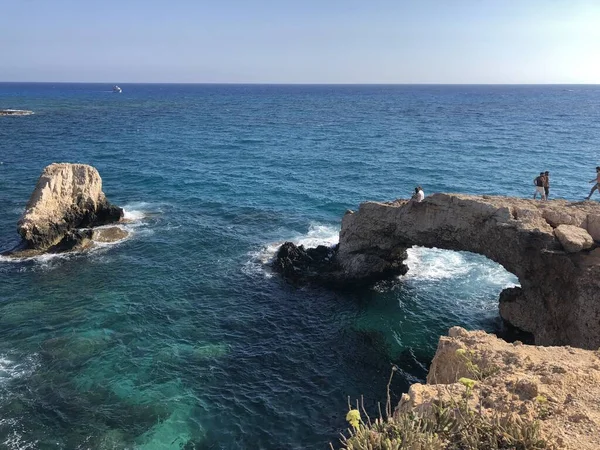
(67, 197)
(109, 234)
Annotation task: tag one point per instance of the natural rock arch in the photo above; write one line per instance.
(549, 246)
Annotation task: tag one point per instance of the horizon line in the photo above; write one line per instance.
(241, 83)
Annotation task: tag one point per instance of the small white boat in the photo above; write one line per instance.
(117, 89)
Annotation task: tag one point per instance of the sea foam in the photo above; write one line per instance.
(317, 234)
(134, 216)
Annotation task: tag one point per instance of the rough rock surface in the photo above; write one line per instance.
(573, 238)
(67, 197)
(297, 264)
(559, 297)
(558, 386)
(320, 266)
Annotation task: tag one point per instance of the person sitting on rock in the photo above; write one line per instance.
(539, 186)
(597, 181)
(419, 195)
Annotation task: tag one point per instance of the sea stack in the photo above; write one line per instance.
(66, 199)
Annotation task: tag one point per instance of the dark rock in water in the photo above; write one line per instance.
(67, 197)
(320, 265)
(73, 240)
(296, 263)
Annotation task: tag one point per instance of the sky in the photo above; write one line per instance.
(301, 41)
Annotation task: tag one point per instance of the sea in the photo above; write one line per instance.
(180, 336)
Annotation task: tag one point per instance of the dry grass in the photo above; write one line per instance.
(453, 425)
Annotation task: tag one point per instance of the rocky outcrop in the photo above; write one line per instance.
(66, 199)
(321, 266)
(297, 264)
(559, 297)
(15, 112)
(557, 386)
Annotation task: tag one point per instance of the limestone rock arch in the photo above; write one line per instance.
(550, 246)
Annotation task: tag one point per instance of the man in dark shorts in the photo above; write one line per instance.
(547, 183)
(595, 180)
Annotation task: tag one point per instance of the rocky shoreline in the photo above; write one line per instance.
(552, 247)
(556, 387)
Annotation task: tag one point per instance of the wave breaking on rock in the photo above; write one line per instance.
(64, 210)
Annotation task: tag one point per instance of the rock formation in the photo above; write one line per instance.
(550, 246)
(15, 112)
(67, 199)
(320, 265)
(558, 386)
(547, 245)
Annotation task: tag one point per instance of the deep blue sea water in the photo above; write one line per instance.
(179, 336)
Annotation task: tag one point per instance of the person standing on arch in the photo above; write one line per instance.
(597, 182)
(539, 187)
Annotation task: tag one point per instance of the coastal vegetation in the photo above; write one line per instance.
(453, 425)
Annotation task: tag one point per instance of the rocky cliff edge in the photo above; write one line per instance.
(557, 386)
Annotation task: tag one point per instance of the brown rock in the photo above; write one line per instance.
(66, 197)
(567, 411)
(558, 297)
(593, 226)
(573, 239)
(109, 234)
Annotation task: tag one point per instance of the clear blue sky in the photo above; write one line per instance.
(301, 41)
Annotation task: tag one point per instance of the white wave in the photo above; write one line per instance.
(44, 259)
(317, 234)
(10, 369)
(131, 214)
(432, 264)
(16, 440)
(134, 221)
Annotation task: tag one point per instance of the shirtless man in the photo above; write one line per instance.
(596, 181)
(547, 184)
(539, 186)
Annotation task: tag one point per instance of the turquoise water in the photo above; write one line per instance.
(180, 337)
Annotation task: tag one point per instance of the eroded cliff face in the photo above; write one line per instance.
(549, 246)
(67, 197)
(557, 386)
